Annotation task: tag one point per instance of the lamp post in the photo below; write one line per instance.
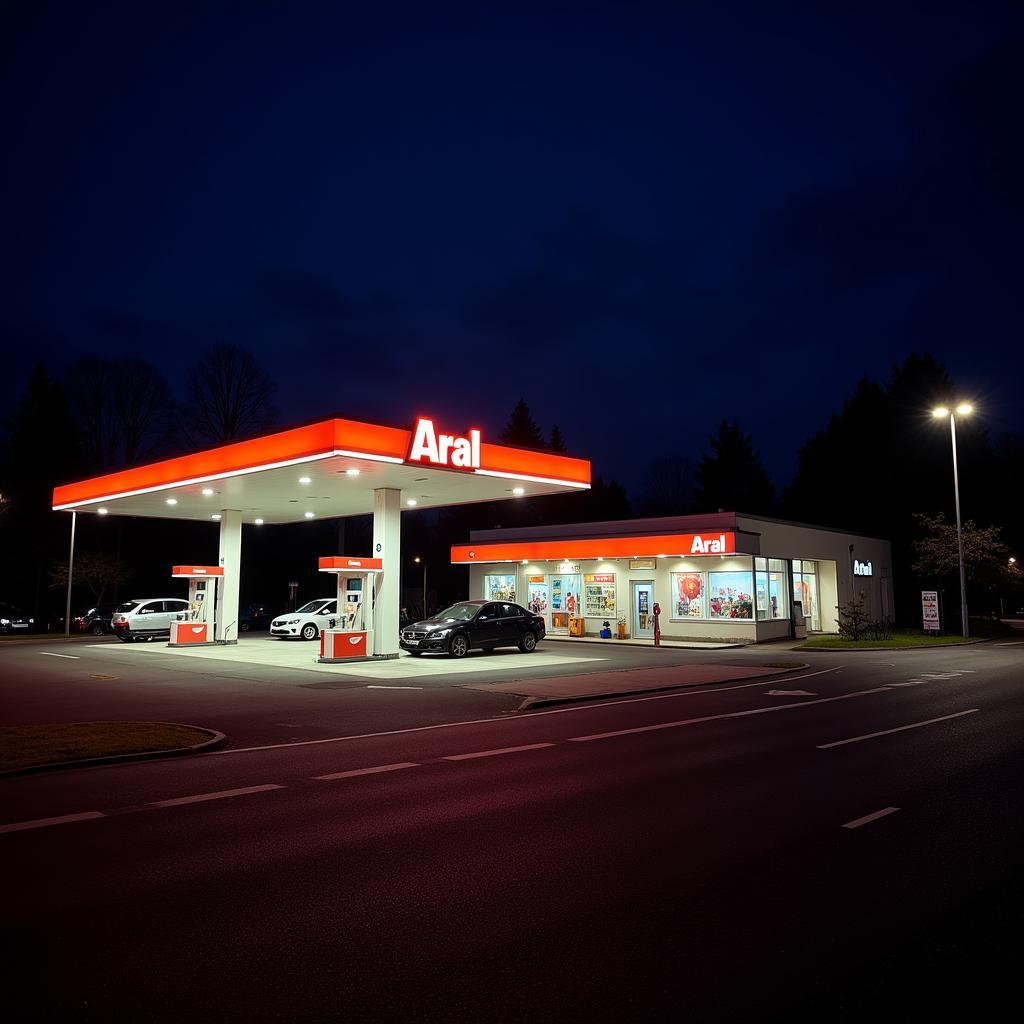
(963, 409)
(418, 560)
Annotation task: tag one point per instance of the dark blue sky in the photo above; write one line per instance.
(643, 218)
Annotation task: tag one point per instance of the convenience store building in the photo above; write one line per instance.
(726, 576)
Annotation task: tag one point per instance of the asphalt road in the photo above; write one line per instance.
(729, 854)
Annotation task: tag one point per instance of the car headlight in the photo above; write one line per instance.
(438, 633)
(290, 622)
(5, 622)
(30, 621)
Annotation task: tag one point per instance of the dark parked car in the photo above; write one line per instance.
(253, 617)
(93, 620)
(14, 620)
(474, 624)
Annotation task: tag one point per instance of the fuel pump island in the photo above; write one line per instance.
(349, 638)
(196, 625)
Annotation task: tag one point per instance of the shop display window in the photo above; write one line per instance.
(729, 595)
(500, 587)
(599, 595)
(805, 590)
(689, 596)
(770, 588)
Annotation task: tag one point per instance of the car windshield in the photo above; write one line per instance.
(459, 612)
(311, 606)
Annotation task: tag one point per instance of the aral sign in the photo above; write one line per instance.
(862, 568)
(451, 450)
(704, 545)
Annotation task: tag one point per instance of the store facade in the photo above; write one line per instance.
(726, 576)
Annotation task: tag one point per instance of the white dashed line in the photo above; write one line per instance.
(899, 728)
(203, 797)
(495, 753)
(22, 826)
(374, 686)
(857, 822)
(367, 771)
(50, 654)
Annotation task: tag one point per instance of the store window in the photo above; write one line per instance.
(729, 595)
(805, 590)
(689, 596)
(599, 594)
(500, 587)
(770, 588)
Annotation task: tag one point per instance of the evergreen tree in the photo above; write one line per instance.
(521, 430)
(556, 442)
(731, 476)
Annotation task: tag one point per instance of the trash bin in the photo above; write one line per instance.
(799, 622)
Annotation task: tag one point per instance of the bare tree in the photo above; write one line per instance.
(93, 569)
(124, 410)
(230, 395)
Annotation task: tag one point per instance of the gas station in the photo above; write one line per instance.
(326, 470)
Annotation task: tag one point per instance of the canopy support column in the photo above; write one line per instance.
(231, 561)
(387, 545)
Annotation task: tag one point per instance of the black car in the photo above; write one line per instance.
(14, 620)
(254, 617)
(474, 624)
(93, 620)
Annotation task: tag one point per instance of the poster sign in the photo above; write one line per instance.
(642, 563)
(930, 610)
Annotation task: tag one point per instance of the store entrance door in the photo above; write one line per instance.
(565, 597)
(643, 610)
(537, 598)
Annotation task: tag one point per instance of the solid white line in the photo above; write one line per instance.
(21, 826)
(857, 822)
(722, 717)
(1010, 643)
(900, 728)
(495, 753)
(520, 718)
(50, 654)
(373, 686)
(203, 797)
(367, 771)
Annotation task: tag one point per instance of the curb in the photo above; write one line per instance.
(530, 703)
(890, 650)
(670, 646)
(217, 739)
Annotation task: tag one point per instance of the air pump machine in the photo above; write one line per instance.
(196, 625)
(350, 636)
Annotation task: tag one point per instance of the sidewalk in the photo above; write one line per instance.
(690, 645)
(625, 682)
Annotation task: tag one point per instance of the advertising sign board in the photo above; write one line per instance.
(930, 610)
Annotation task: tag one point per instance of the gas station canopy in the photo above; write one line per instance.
(326, 470)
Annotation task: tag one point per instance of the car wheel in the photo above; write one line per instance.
(97, 629)
(243, 627)
(125, 639)
(459, 646)
(528, 642)
(309, 631)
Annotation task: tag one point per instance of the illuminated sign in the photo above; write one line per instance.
(444, 449)
(708, 546)
(861, 568)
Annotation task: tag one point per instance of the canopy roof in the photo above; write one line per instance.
(344, 461)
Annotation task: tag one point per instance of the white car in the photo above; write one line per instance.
(146, 618)
(307, 621)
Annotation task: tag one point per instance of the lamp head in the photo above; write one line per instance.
(964, 409)
(940, 411)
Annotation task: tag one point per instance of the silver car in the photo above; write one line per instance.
(308, 621)
(146, 618)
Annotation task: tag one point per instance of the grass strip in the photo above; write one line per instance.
(22, 746)
(895, 642)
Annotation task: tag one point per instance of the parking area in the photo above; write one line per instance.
(272, 652)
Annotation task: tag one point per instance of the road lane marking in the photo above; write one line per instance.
(1010, 643)
(199, 798)
(722, 717)
(495, 753)
(367, 771)
(900, 728)
(518, 718)
(65, 819)
(50, 654)
(374, 686)
(857, 822)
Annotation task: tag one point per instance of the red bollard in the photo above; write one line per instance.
(657, 624)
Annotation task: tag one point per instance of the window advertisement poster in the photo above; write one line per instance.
(599, 594)
(688, 595)
(537, 595)
(500, 587)
(930, 611)
(729, 595)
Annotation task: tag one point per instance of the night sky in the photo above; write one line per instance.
(641, 218)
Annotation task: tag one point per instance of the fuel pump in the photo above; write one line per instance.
(657, 624)
(196, 624)
(350, 634)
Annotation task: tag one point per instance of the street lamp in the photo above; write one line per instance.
(418, 560)
(940, 412)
